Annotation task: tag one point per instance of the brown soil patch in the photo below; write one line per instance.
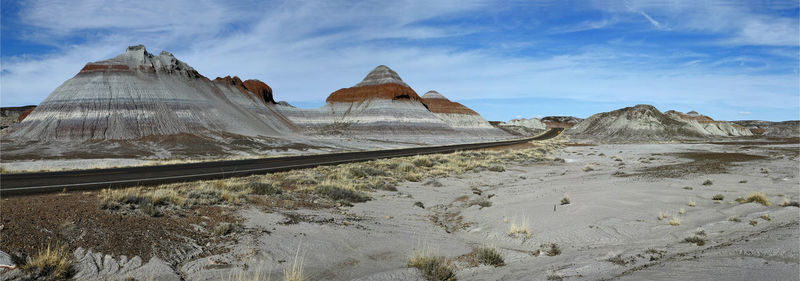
(76, 220)
(703, 163)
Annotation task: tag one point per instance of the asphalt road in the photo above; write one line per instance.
(30, 183)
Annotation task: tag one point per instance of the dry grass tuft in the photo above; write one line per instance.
(490, 256)
(766, 217)
(520, 229)
(294, 273)
(565, 200)
(434, 268)
(51, 263)
(691, 203)
(681, 211)
(588, 168)
(708, 182)
(753, 222)
(734, 219)
(718, 197)
(787, 203)
(758, 197)
(674, 221)
(662, 215)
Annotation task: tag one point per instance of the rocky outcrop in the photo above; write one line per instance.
(772, 129)
(709, 125)
(137, 95)
(560, 121)
(12, 115)
(523, 126)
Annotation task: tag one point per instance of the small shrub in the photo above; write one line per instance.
(758, 197)
(718, 197)
(619, 260)
(490, 256)
(51, 263)
(419, 204)
(787, 203)
(223, 229)
(662, 215)
(674, 222)
(364, 171)
(565, 200)
(263, 188)
(433, 268)
(338, 193)
(688, 187)
(496, 168)
(734, 219)
(413, 177)
(741, 200)
(742, 181)
(588, 168)
(700, 241)
(753, 222)
(766, 217)
(423, 162)
(691, 204)
(681, 211)
(149, 209)
(708, 182)
(555, 277)
(552, 249)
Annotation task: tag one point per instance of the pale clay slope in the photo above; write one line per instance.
(463, 121)
(532, 123)
(608, 216)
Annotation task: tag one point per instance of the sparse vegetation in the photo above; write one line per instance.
(699, 241)
(681, 211)
(662, 215)
(619, 260)
(674, 221)
(708, 182)
(787, 203)
(419, 204)
(489, 256)
(588, 168)
(295, 272)
(692, 203)
(497, 168)
(734, 219)
(551, 249)
(520, 229)
(718, 197)
(51, 263)
(434, 268)
(688, 187)
(223, 229)
(338, 193)
(758, 197)
(753, 222)
(766, 217)
(565, 200)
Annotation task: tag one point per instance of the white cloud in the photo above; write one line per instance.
(306, 50)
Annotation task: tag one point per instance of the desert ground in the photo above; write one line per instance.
(554, 210)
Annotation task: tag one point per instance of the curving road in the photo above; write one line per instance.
(30, 183)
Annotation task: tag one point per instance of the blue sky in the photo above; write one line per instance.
(730, 60)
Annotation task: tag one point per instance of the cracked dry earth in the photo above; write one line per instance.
(610, 230)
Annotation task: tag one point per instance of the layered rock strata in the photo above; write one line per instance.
(138, 94)
(560, 121)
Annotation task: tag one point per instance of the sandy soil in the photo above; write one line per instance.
(609, 231)
(608, 216)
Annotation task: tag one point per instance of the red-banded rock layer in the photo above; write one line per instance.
(253, 87)
(389, 91)
(437, 103)
(711, 126)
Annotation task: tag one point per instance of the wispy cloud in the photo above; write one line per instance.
(308, 49)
